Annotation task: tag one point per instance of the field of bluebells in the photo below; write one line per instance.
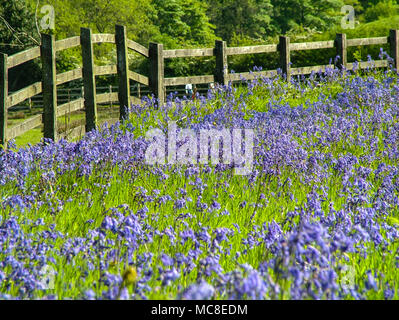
(318, 218)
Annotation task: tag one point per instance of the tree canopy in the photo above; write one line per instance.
(185, 23)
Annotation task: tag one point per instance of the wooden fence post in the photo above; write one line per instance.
(341, 46)
(221, 71)
(89, 80)
(157, 71)
(49, 86)
(394, 42)
(3, 99)
(285, 56)
(123, 71)
(110, 95)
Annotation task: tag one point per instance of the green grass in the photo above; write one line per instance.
(84, 198)
(68, 121)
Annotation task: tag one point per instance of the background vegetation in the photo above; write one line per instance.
(191, 23)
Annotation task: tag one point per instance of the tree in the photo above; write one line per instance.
(242, 18)
(183, 22)
(17, 33)
(314, 14)
(102, 16)
(17, 28)
(382, 9)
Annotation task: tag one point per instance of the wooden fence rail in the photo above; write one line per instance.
(156, 81)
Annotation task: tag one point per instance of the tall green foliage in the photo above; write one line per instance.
(17, 33)
(17, 28)
(383, 9)
(192, 23)
(183, 22)
(313, 14)
(250, 18)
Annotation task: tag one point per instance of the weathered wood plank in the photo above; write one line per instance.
(24, 94)
(186, 53)
(3, 99)
(193, 80)
(394, 47)
(67, 43)
(107, 97)
(285, 56)
(22, 57)
(109, 122)
(103, 38)
(49, 84)
(69, 76)
(89, 80)
(156, 79)
(251, 75)
(77, 132)
(105, 70)
(368, 64)
(123, 71)
(70, 107)
(135, 100)
(251, 49)
(25, 126)
(309, 70)
(138, 78)
(312, 45)
(138, 48)
(366, 41)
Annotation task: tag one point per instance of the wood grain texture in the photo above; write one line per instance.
(394, 47)
(74, 133)
(49, 86)
(22, 57)
(138, 48)
(89, 81)
(251, 49)
(69, 76)
(251, 75)
(105, 70)
(186, 53)
(135, 100)
(70, 107)
(25, 126)
(107, 97)
(285, 56)
(312, 45)
(341, 47)
(156, 79)
(193, 80)
(221, 69)
(103, 38)
(366, 41)
(309, 70)
(3, 99)
(138, 78)
(23, 94)
(123, 71)
(67, 43)
(367, 64)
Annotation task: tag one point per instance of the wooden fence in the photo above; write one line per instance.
(156, 80)
(68, 94)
